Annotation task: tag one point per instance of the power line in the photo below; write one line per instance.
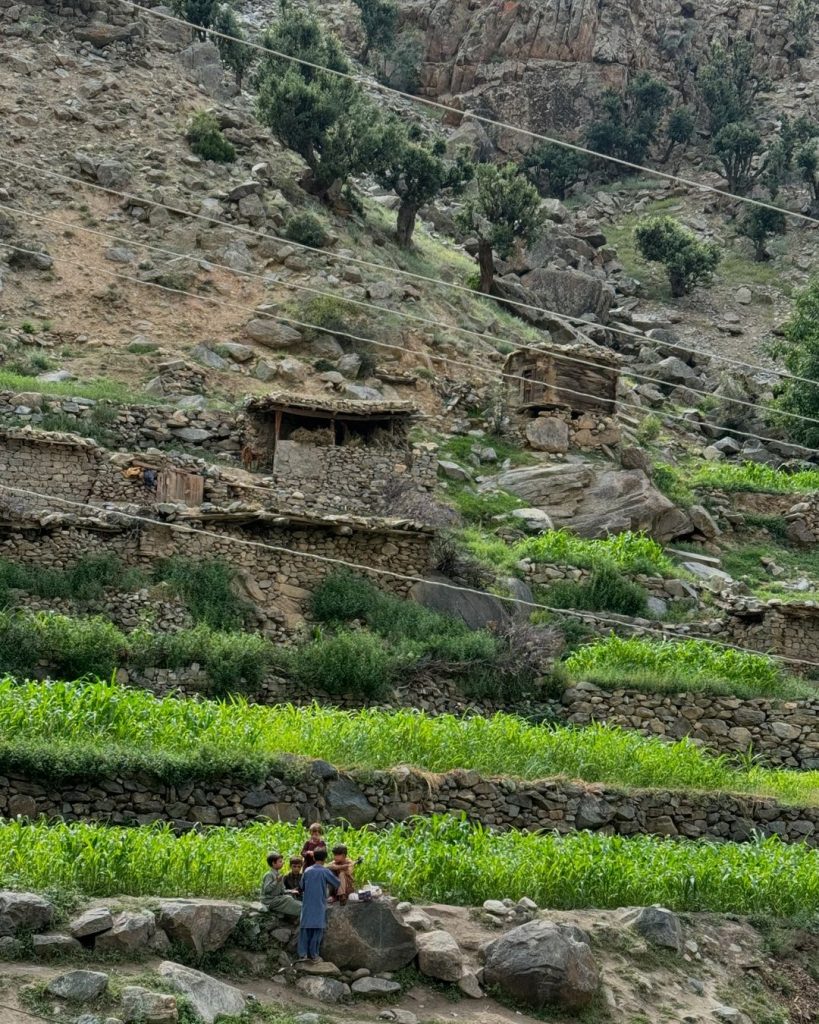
(568, 321)
(557, 352)
(437, 105)
(490, 371)
(404, 577)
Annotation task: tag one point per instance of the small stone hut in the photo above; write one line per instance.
(563, 378)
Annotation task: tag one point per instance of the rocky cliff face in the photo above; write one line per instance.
(542, 63)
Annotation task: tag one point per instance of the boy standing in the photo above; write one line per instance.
(273, 895)
(313, 920)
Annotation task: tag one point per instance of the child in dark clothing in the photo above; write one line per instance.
(293, 877)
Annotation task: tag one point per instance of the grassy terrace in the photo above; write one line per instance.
(90, 729)
(440, 859)
(684, 666)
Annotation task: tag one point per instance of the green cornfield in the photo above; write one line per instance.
(680, 666)
(438, 859)
(88, 729)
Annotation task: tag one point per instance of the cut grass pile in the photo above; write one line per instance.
(679, 666)
(627, 552)
(90, 729)
(437, 859)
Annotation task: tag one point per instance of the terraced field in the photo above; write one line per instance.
(89, 729)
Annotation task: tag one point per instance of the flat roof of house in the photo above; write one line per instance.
(330, 405)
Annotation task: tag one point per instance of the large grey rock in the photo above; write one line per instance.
(345, 801)
(91, 922)
(548, 434)
(142, 1006)
(54, 944)
(25, 911)
(595, 502)
(325, 990)
(203, 925)
(476, 610)
(543, 964)
(237, 352)
(439, 956)
(207, 357)
(657, 925)
(569, 292)
(132, 930)
(78, 986)
(208, 997)
(368, 935)
(534, 519)
(271, 333)
(375, 987)
(672, 370)
(704, 522)
(716, 579)
(112, 174)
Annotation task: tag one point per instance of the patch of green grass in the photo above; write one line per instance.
(101, 390)
(142, 348)
(460, 449)
(670, 666)
(751, 476)
(605, 591)
(437, 859)
(481, 507)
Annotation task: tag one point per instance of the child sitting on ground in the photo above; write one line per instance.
(342, 866)
(293, 876)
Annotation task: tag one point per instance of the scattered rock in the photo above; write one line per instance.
(743, 296)
(657, 925)
(418, 919)
(131, 930)
(271, 334)
(237, 352)
(548, 434)
(78, 986)
(375, 986)
(439, 956)
(55, 944)
(203, 925)
(141, 1006)
(23, 911)
(533, 519)
(470, 986)
(452, 471)
(543, 964)
(208, 997)
(325, 990)
(476, 610)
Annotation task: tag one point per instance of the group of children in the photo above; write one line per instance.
(303, 892)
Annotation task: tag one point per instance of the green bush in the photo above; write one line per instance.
(482, 507)
(84, 581)
(606, 591)
(306, 229)
(207, 590)
(206, 139)
(347, 662)
(688, 261)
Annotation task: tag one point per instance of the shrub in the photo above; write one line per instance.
(736, 145)
(207, 590)
(688, 261)
(481, 507)
(72, 647)
(554, 169)
(605, 591)
(306, 229)
(206, 139)
(348, 662)
(342, 597)
(799, 349)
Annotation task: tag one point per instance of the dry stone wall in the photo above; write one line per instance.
(320, 791)
(785, 733)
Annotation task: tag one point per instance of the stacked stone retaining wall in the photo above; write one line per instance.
(382, 797)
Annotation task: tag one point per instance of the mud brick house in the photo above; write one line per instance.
(343, 455)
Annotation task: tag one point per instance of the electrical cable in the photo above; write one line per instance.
(568, 321)
(392, 574)
(489, 371)
(385, 311)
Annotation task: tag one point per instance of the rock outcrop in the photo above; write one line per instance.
(368, 935)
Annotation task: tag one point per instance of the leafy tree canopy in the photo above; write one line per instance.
(687, 260)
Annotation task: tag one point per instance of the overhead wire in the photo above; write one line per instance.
(486, 370)
(482, 118)
(391, 573)
(559, 354)
(569, 321)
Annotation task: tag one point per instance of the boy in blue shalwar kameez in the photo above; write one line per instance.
(313, 920)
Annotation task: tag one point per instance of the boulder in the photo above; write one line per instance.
(91, 922)
(270, 333)
(569, 292)
(452, 471)
(237, 352)
(672, 370)
(132, 930)
(418, 919)
(543, 964)
(476, 610)
(326, 990)
(470, 986)
(704, 522)
(78, 986)
(55, 944)
(439, 956)
(345, 801)
(207, 997)
(533, 519)
(142, 1006)
(595, 502)
(636, 458)
(202, 925)
(24, 911)
(368, 935)
(657, 925)
(548, 434)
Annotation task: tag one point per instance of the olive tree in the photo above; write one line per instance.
(799, 350)
(234, 54)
